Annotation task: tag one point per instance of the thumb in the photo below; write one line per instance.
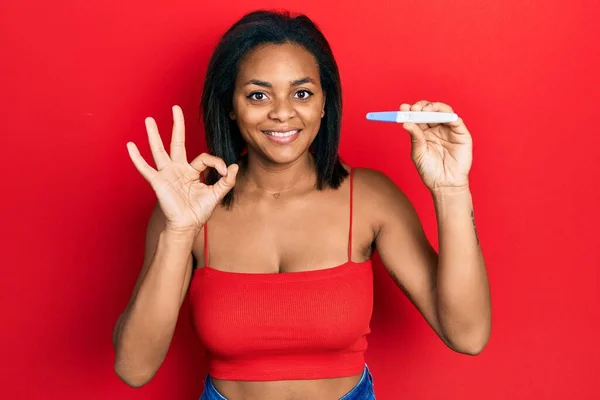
(227, 182)
(417, 137)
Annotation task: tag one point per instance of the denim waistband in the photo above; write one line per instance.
(363, 390)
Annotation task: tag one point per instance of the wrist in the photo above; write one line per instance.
(180, 234)
(452, 201)
(450, 191)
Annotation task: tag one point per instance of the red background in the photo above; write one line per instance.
(78, 78)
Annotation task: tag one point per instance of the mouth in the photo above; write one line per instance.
(283, 136)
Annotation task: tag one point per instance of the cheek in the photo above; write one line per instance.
(311, 114)
(248, 116)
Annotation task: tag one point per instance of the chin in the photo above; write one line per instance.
(284, 150)
(286, 155)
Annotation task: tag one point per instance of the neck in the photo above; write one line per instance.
(274, 179)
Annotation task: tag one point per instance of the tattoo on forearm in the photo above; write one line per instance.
(474, 227)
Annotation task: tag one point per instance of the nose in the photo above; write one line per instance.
(282, 110)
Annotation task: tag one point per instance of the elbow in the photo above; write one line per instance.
(471, 344)
(472, 348)
(132, 377)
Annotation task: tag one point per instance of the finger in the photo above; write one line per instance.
(416, 133)
(439, 107)
(178, 136)
(405, 107)
(140, 164)
(161, 158)
(458, 126)
(224, 185)
(418, 106)
(205, 160)
(431, 107)
(419, 144)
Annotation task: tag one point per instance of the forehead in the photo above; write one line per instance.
(278, 62)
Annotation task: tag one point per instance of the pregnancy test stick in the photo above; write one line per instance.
(418, 117)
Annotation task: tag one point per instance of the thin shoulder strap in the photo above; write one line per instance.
(350, 230)
(205, 244)
(205, 229)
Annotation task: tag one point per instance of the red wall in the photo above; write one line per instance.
(77, 80)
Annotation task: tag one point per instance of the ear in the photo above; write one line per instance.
(232, 115)
(324, 102)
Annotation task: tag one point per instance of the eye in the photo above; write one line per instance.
(303, 94)
(258, 96)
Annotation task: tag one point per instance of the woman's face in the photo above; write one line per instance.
(278, 102)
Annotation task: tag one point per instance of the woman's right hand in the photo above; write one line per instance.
(184, 199)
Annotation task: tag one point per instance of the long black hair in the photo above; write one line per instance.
(222, 134)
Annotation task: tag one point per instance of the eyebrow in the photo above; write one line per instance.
(297, 82)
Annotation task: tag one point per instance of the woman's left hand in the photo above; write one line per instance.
(442, 153)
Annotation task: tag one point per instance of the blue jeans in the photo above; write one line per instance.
(362, 391)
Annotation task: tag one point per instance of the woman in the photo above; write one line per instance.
(281, 284)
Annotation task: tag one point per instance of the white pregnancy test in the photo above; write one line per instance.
(418, 117)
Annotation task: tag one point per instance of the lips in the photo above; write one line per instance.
(282, 133)
(282, 136)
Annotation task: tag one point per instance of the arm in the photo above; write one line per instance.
(144, 330)
(450, 290)
(143, 333)
(464, 305)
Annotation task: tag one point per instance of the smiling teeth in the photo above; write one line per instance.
(282, 134)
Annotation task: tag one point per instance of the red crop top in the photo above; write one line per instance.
(279, 326)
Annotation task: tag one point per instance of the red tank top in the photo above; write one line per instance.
(278, 326)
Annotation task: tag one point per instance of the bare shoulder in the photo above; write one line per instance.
(373, 186)
(380, 196)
